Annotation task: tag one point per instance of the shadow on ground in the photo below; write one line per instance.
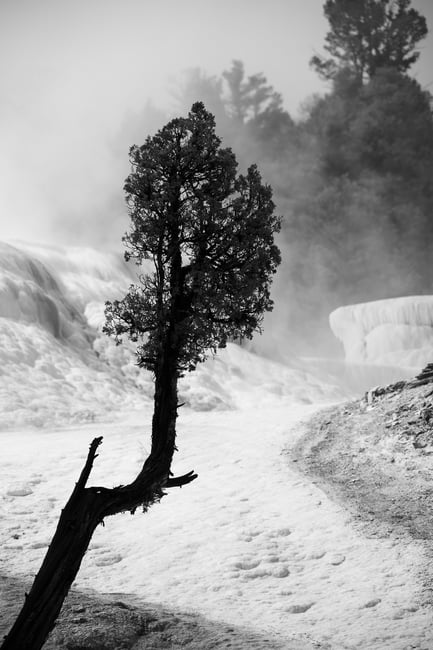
(119, 622)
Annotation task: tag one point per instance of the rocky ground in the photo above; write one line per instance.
(375, 456)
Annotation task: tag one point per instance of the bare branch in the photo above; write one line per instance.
(85, 473)
(178, 481)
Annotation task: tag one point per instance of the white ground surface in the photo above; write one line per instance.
(394, 332)
(250, 542)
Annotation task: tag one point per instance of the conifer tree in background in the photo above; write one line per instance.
(249, 112)
(249, 97)
(367, 223)
(367, 35)
(210, 235)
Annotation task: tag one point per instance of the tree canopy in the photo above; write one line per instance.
(369, 35)
(384, 126)
(249, 97)
(210, 234)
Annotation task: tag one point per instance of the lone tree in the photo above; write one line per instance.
(210, 235)
(366, 35)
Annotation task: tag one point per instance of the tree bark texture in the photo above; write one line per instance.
(86, 508)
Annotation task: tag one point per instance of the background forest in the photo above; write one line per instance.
(352, 176)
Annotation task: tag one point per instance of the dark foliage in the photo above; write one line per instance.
(369, 35)
(209, 233)
(384, 126)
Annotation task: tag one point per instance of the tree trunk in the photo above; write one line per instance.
(78, 520)
(87, 507)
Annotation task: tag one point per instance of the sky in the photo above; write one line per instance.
(73, 74)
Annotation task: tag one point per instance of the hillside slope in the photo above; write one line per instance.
(375, 456)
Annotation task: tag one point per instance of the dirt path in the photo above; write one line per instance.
(375, 456)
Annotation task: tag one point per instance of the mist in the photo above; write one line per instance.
(74, 77)
(82, 82)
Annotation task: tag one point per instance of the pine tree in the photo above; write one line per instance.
(369, 35)
(210, 235)
(249, 97)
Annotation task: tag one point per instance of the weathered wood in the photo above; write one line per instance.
(78, 520)
(85, 510)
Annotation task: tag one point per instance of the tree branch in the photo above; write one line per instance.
(85, 473)
(178, 481)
